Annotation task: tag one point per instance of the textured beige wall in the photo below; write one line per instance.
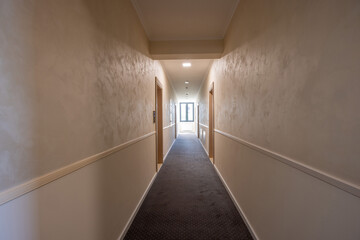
(93, 203)
(76, 80)
(169, 101)
(289, 82)
(203, 101)
(282, 203)
(169, 98)
(169, 137)
(204, 137)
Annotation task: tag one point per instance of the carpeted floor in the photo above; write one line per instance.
(187, 200)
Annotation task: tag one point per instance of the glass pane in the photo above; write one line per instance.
(190, 112)
(182, 112)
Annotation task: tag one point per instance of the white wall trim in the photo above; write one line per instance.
(203, 147)
(38, 182)
(169, 150)
(326, 177)
(131, 219)
(234, 200)
(203, 125)
(169, 126)
(242, 213)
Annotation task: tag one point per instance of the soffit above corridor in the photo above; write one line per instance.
(195, 74)
(168, 20)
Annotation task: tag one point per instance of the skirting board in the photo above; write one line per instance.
(169, 150)
(38, 182)
(132, 217)
(253, 234)
(242, 214)
(122, 235)
(203, 147)
(326, 177)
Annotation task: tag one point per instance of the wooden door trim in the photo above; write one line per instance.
(159, 121)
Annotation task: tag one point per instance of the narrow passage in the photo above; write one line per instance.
(187, 200)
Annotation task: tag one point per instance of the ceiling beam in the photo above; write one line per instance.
(188, 49)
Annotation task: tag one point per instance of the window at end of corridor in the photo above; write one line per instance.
(186, 112)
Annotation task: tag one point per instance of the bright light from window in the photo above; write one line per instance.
(186, 64)
(186, 112)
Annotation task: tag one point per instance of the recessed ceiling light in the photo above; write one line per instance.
(186, 64)
(186, 82)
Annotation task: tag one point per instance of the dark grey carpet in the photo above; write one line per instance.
(187, 200)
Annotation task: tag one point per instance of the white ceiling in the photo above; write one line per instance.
(171, 20)
(165, 20)
(195, 74)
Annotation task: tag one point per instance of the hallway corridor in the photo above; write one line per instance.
(187, 200)
(263, 96)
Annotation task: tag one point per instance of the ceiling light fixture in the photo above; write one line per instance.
(186, 82)
(186, 64)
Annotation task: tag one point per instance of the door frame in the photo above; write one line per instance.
(159, 122)
(211, 123)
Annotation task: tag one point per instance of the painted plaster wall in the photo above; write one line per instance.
(169, 97)
(281, 202)
(169, 101)
(93, 203)
(76, 80)
(288, 82)
(203, 101)
(204, 137)
(169, 137)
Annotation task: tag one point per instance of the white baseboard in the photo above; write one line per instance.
(131, 219)
(203, 147)
(169, 150)
(251, 229)
(122, 235)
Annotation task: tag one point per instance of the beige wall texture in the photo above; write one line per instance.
(93, 203)
(76, 80)
(203, 101)
(289, 82)
(169, 101)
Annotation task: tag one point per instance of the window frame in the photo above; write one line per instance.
(187, 115)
